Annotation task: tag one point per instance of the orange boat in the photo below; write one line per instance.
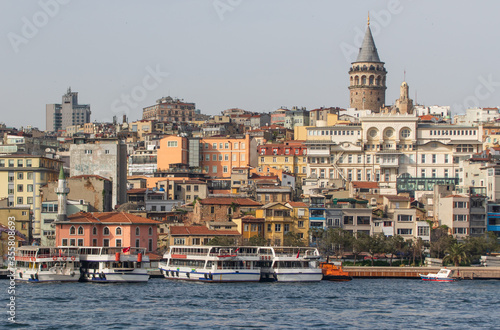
(332, 272)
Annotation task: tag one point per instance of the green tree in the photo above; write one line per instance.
(393, 245)
(257, 240)
(456, 254)
(340, 240)
(373, 244)
(440, 241)
(222, 241)
(359, 245)
(292, 239)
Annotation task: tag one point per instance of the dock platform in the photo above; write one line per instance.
(476, 273)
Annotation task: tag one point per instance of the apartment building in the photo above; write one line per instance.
(170, 110)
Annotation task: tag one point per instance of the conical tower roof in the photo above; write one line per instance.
(368, 51)
(61, 174)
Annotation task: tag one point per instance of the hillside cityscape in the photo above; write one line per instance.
(375, 178)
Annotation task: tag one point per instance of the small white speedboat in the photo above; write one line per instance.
(444, 275)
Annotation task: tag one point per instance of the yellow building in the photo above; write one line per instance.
(21, 217)
(282, 218)
(290, 156)
(21, 177)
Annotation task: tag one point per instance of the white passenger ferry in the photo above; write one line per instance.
(211, 264)
(289, 264)
(113, 264)
(47, 264)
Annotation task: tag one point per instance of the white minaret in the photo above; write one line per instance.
(62, 195)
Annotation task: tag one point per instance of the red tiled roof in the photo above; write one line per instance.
(297, 204)
(229, 201)
(428, 118)
(109, 217)
(451, 196)
(364, 184)
(89, 176)
(200, 230)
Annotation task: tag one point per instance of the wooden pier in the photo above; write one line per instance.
(476, 273)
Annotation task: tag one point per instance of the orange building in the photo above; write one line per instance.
(173, 150)
(216, 155)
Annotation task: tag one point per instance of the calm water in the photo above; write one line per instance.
(361, 303)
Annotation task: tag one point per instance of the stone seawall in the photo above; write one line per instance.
(413, 272)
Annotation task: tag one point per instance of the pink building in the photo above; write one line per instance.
(107, 229)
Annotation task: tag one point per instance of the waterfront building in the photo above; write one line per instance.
(249, 226)
(21, 177)
(68, 113)
(477, 116)
(289, 156)
(21, 215)
(198, 235)
(170, 110)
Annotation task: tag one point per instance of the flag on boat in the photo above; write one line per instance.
(236, 251)
(125, 250)
(298, 254)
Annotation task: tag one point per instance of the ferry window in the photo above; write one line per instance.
(72, 230)
(118, 231)
(94, 231)
(80, 230)
(150, 231)
(105, 231)
(137, 231)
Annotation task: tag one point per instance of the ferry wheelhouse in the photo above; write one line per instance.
(211, 264)
(47, 264)
(113, 264)
(289, 264)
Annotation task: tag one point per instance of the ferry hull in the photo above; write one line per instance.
(30, 276)
(303, 276)
(116, 277)
(434, 279)
(244, 275)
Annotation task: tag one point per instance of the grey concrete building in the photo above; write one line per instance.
(68, 113)
(106, 158)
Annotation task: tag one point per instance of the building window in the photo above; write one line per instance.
(72, 242)
(423, 231)
(226, 157)
(64, 242)
(80, 242)
(80, 230)
(150, 244)
(94, 231)
(20, 188)
(460, 231)
(405, 231)
(105, 231)
(20, 175)
(172, 144)
(150, 231)
(88, 151)
(405, 217)
(214, 169)
(94, 242)
(29, 175)
(434, 159)
(118, 242)
(105, 242)
(118, 231)
(72, 230)
(460, 217)
(277, 227)
(29, 200)
(137, 243)
(423, 158)
(460, 205)
(422, 173)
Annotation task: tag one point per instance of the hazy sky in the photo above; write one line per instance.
(122, 55)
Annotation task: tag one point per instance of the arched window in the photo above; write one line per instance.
(378, 81)
(371, 80)
(72, 230)
(105, 231)
(94, 231)
(363, 80)
(80, 230)
(118, 231)
(150, 231)
(405, 133)
(137, 231)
